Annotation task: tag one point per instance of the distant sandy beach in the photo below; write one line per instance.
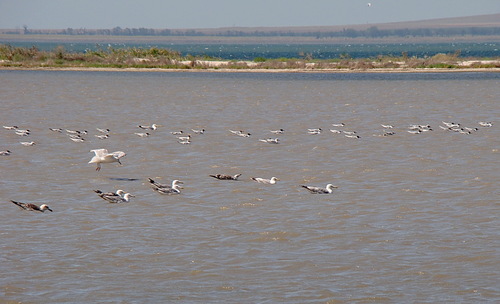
(257, 70)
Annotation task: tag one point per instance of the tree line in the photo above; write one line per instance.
(371, 32)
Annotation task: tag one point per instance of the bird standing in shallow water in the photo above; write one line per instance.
(32, 207)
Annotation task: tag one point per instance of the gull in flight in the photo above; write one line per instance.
(318, 190)
(102, 156)
(271, 181)
(32, 207)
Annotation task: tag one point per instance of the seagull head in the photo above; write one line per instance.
(45, 207)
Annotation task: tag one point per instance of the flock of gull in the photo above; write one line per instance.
(102, 156)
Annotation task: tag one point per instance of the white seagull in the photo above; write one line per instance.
(244, 134)
(175, 189)
(184, 138)
(351, 136)
(151, 127)
(102, 156)
(105, 131)
(121, 199)
(270, 140)
(175, 183)
(349, 132)
(280, 131)
(486, 124)
(75, 131)
(318, 190)
(271, 181)
(314, 131)
(5, 152)
(102, 136)
(198, 131)
(111, 197)
(28, 143)
(23, 132)
(77, 139)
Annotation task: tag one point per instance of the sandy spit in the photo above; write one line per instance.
(223, 70)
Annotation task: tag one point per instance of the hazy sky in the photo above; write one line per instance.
(59, 14)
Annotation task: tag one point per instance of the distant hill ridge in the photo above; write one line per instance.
(482, 25)
(492, 20)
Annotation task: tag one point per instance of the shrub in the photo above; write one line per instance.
(259, 59)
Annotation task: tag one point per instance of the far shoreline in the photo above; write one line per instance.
(256, 70)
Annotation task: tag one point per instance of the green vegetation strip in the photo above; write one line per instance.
(144, 58)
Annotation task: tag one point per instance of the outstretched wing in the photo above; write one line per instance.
(118, 154)
(21, 205)
(100, 152)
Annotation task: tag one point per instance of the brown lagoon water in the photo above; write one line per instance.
(414, 218)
